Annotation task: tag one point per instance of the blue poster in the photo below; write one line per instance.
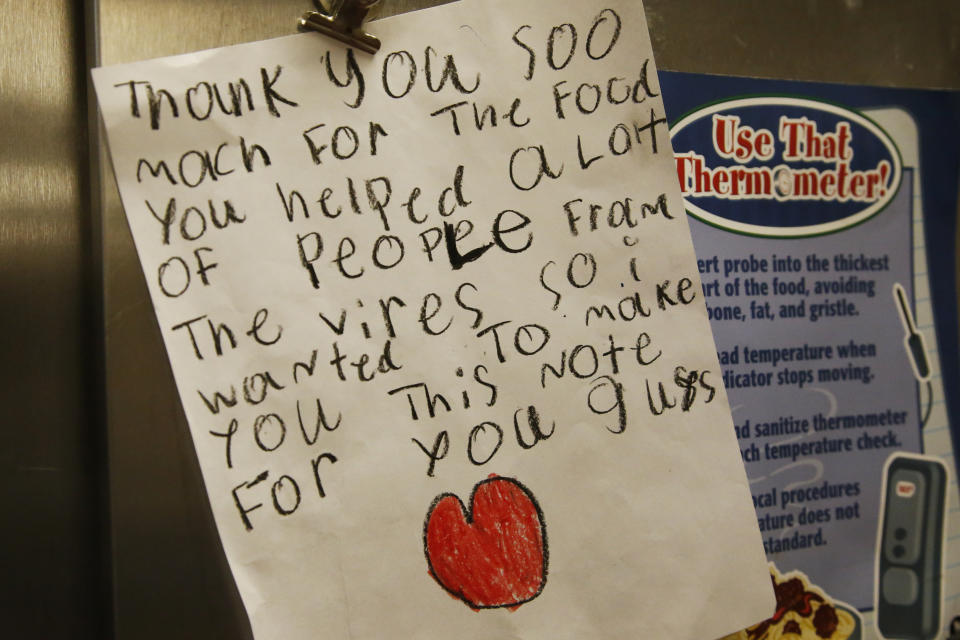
(824, 220)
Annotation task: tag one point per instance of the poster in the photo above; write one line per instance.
(436, 323)
(823, 218)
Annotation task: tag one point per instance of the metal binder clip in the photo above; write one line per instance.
(343, 20)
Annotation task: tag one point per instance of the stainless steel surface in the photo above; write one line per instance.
(53, 579)
(171, 580)
(879, 42)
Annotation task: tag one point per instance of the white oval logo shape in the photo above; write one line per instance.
(783, 167)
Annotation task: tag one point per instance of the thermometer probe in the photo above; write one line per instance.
(913, 338)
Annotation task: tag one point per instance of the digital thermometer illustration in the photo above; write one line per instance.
(910, 548)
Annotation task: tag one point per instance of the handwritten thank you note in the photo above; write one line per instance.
(436, 324)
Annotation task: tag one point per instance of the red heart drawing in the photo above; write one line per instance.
(492, 555)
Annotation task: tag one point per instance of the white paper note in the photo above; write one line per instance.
(436, 323)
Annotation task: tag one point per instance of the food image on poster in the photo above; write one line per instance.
(814, 210)
(804, 612)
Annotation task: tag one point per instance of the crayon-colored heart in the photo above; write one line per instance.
(493, 554)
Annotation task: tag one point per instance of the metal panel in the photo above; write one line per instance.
(54, 578)
(878, 42)
(171, 578)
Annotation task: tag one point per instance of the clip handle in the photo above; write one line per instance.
(343, 21)
(353, 12)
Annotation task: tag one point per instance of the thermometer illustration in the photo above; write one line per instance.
(910, 548)
(913, 340)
